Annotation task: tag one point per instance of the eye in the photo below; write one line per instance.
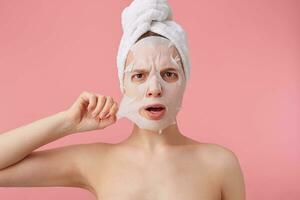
(138, 77)
(169, 76)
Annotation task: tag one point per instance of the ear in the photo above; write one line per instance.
(175, 53)
(123, 90)
(129, 58)
(123, 86)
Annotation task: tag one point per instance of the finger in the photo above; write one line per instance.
(100, 104)
(82, 100)
(108, 103)
(108, 121)
(92, 102)
(113, 110)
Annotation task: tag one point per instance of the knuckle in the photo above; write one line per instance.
(101, 100)
(109, 98)
(92, 95)
(84, 93)
(92, 99)
(99, 95)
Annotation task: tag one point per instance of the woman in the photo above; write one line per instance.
(149, 164)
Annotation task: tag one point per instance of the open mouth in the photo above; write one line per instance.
(155, 111)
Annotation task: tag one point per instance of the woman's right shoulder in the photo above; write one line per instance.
(91, 157)
(90, 149)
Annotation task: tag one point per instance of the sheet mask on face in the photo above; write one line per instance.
(153, 54)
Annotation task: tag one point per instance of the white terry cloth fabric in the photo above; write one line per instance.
(150, 15)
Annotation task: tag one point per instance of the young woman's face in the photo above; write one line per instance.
(154, 75)
(145, 58)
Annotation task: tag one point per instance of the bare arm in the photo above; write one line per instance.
(21, 166)
(16, 144)
(52, 167)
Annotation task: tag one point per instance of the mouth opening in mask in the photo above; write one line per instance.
(154, 111)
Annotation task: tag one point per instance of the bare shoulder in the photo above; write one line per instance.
(93, 147)
(220, 156)
(227, 168)
(91, 153)
(218, 151)
(215, 156)
(89, 158)
(86, 151)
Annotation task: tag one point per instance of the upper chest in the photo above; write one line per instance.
(176, 175)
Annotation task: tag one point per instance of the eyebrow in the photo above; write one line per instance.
(145, 70)
(139, 70)
(169, 69)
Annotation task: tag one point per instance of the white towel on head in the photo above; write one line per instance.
(150, 15)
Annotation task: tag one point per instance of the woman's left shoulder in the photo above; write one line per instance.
(216, 149)
(218, 154)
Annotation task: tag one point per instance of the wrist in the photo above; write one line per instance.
(67, 127)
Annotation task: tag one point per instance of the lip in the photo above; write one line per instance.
(154, 115)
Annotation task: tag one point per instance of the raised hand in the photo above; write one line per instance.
(91, 111)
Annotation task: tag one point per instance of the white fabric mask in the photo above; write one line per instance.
(157, 85)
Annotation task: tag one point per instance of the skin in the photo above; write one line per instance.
(167, 166)
(143, 166)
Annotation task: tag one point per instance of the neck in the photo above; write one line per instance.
(151, 141)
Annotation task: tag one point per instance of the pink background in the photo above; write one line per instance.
(243, 94)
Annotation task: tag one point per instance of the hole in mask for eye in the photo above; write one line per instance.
(138, 77)
(167, 75)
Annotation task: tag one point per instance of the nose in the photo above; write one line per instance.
(154, 89)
